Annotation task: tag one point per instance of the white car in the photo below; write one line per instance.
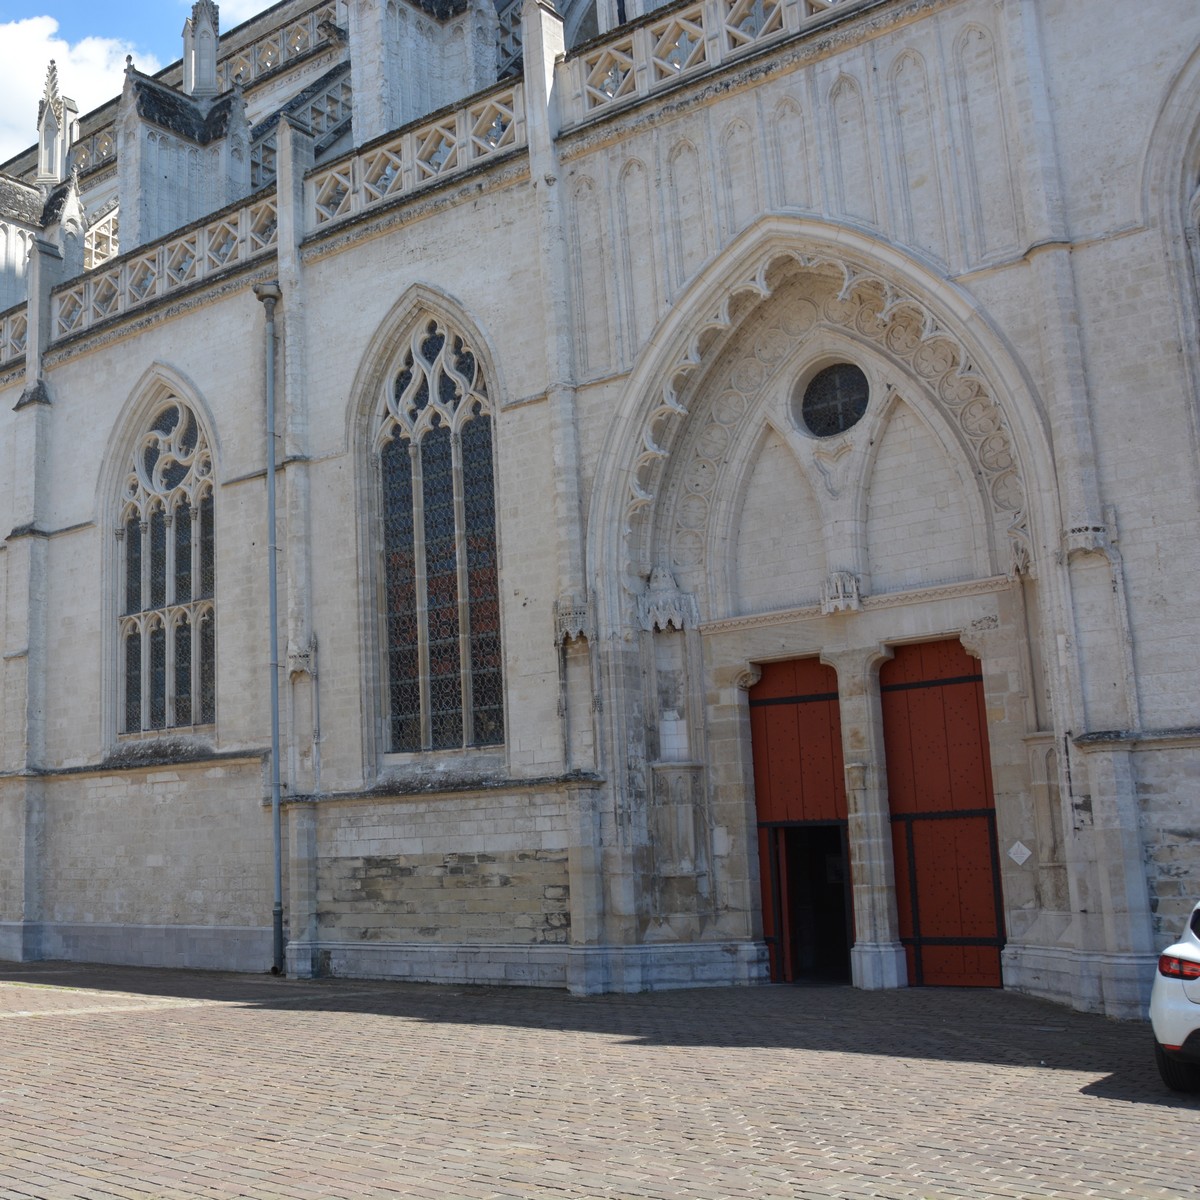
(1175, 1010)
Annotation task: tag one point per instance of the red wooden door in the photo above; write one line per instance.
(943, 815)
(796, 735)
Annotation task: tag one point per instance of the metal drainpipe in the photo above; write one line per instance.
(270, 295)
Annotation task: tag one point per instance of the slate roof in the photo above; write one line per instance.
(54, 203)
(180, 114)
(20, 202)
(443, 10)
(298, 101)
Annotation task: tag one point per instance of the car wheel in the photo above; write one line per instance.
(1177, 1075)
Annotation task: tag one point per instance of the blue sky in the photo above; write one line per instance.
(89, 42)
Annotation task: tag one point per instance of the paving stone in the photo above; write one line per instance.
(156, 1085)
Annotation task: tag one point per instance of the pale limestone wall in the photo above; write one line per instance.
(488, 869)
(482, 898)
(918, 523)
(779, 564)
(177, 846)
(1168, 786)
(12, 831)
(14, 254)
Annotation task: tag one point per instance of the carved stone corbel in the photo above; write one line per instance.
(664, 606)
(747, 678)
(841, 593)
(302, 660)
(572, 620)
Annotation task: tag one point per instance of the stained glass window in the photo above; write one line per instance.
(181, 525)
(441, 579)
(835, 400)
(400, 583)
(183, 670)
(166, 538)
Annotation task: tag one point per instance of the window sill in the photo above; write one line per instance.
(427, 770)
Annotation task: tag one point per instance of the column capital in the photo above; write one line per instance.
(856, 666)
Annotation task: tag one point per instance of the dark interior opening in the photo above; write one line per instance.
(815, 903)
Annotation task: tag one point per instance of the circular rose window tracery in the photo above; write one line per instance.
(834, 400)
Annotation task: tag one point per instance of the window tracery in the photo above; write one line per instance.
(166, 626)
(441, 583)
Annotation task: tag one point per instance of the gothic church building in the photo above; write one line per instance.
(736, 496)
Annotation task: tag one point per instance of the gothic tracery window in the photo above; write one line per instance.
(441, 584)
(167, 619)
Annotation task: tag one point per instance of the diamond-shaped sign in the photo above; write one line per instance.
(1019, 853)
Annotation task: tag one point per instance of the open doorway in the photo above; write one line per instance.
(800, 796)
(809, 921)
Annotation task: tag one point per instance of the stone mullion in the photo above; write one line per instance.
(877, 959)
(464, 599)
(422, 590)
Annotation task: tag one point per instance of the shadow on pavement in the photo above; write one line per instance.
(985, 1026)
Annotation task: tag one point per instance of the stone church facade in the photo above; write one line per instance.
(737, 471)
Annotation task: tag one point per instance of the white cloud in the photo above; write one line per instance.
(89, 72)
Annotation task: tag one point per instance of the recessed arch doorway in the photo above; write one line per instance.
(941, 807)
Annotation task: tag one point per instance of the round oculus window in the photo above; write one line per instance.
(834, 400)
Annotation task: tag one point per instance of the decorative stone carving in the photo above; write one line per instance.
(55, 115)
(1087, 539)
(846, 297)
(841, 593)
(1020, 551)
(572, 619)
(201, 35)
(749, 677)
(663, 606)
(302, 660)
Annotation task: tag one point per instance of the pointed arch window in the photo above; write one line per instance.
(167, 622)
(445, 687)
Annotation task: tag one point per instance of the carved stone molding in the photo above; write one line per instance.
(787, 616)
(842, 296)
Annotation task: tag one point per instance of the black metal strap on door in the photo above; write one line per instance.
(930, 683)
(918, 940)
(811, 698)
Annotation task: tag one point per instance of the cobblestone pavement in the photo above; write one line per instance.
(168, 1085)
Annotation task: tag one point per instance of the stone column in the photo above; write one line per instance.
(877, 959)
(1096, 641)
(301, 704)
(372, 38)
(593, 905)
(25, 626)
(1119, 926)
(303, 930)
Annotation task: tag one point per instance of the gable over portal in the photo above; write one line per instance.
(695, 410)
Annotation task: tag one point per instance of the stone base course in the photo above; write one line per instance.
(120, 1082)
(584, 970)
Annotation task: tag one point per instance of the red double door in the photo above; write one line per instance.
(942, 809)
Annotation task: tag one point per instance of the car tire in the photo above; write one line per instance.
(1179, 1076)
